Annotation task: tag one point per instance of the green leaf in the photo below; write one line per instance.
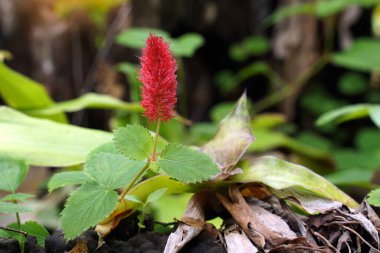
(134, 142)
(17, 196)
(111, 170)
(374, 197)
(361, 56)
(233, 138)
(351, 112)
(143, 189)
(87, 101)
(351, 177)
(368, 139)
(86, 206)
(136, 37)
(12, 173)
(282, 175)
(156, 195)
(374, 114)
(67, 178)
(352, 84)
(248, 47)
(21, 92)
(184, 46)
(6, 207)
(46, 143)
(185, 164)
(133, 198)
(320, 8)
(35, 229)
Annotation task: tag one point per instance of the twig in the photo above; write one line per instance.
(324, 240)
(15, 230)
(358, 235)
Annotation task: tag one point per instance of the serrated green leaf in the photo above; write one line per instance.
(185, 164)
(112, 170)
(35, 229)
(134, 142)
(45, 143)
(156, 195)
(374, 197)
(67, 178)
(87, 206)
(133, 198)
(282, 175)
(21, 92)
(90, 101)
(233, 137)
(17, 196)
(361, 56)
(12, 172)
(6, 207)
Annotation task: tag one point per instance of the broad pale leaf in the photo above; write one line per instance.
(361, 56)
(88, 205)
(6, 207)
(156, 195)
(351, 112)
(89, 100)
(12, 173)
(17, 196)
(374, 197)
(134, 142)
(35, 229)
(133, 198)
(185, 164)
(233, 137)
(67, 178)
(112, 170)
(46, 143)
(21, 92)
(279, 174)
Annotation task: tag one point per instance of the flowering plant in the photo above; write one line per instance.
(215, 172)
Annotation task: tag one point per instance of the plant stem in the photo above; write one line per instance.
(276, 97)
(134, 180)
(17, 214)
(156, 139)
(14, 230)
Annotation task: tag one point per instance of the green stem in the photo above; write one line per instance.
(134, 180)
(17, 214)
(156, 139)
(276, 97)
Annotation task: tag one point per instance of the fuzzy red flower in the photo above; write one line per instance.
(157, 74)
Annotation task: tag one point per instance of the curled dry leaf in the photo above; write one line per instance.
(232, 139)
(258, 224)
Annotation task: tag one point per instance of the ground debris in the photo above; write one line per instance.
(265, 223)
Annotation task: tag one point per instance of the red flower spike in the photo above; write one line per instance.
(157, 74)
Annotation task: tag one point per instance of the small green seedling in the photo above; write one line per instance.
(12, 174)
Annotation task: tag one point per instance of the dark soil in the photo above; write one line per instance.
(126, 238)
